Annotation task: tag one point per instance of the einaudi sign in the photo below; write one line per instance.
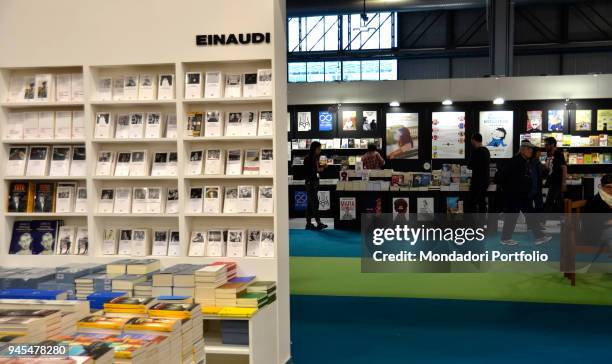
(228, 39)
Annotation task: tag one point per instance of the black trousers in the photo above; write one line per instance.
(312, 208)
(477, 201)
(514, 206)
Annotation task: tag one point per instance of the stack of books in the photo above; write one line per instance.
(86, 352)
(168, 327)
(163, 280)
(25, 278)
(128, 307)
(98, 299)
(235, 332)
(267, 287)
(86, 285)
(71, 311)
(143, 289)
(227, 294)
(35, 294)
(183, 281)
(207, 280)
(37, 325)
(102, 324)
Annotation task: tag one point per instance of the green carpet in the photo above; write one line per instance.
(343, 277)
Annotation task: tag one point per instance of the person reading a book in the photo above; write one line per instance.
(312, 168)
(372, 159)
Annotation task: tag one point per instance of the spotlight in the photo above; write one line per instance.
(394, 104)
(447, 102)
(499, 101)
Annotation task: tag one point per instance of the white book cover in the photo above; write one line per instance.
(122, 167)
(45, 87)
(214, 85)
(250, 85)
(246, 199)
(139, 166)
(109, 241)
(104, 126)
(104, 90)
(236, 243)
(197, 244)
(60, 160)
(266, 164)
(29, 88)
(123, 200)
(136, 125)
(153, 128)
(46, 124)
(139, 200)
(15, 126)
(155, 199)
(213, 124)
(194, 124)
(16, 165)
(212, 199)
(16, 89)
(130, 87)
(251, 162)
(194, 167)
(80, 203)
(104, 166)
(141, 242)
(174, 245)
(233, 124)
(165, 90)
(82, 241)
(194, 204)
(64, 198)
(265, 200)
(106, 201)
(171, 129)
(193, 85)
(63, 89)
(160, 164)
(214, 162)
(267, 244)
(266, 123)
(172, 201)
(248, 125)
(253, 243)
(230, 201)
(172, 166)
(215, 244)
(38, 161)
(160, 243)
(76, 87)
(118, 85)
(234, 162)
(264, 82)
(233, 86)
(147, 88)
(30, 125)
(78, 124)
(122, 130)
(66, 240)
(63, 125)
(78, 164)
(125, 242)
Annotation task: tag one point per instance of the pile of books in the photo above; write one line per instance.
(31, 325)
(211, 277)
(70, 311)
(177, 280)
(227, 294)
(22, 278)
(91, 283)
(258, 294)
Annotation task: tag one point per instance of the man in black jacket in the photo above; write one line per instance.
(479, 164)
(518, 184)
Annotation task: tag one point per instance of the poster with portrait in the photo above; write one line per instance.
(349, 120)
(448, 135)
(402, 135)
(324, 200)
(425, 205)
(304, 121)
(401, 208)
(583, 120)
(370, 121)
(604, 120)
(348, 208)
(496, 128)
(555, 120)
(326, 121)
(534, 121)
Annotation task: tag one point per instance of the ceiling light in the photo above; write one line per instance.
(447, 102)
(499, 101)
(394, 104)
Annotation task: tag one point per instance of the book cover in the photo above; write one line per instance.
(21, 238)
(44, 197)
(18, 197)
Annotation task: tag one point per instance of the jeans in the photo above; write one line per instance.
(312, 208)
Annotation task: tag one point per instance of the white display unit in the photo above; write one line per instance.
(99, 51)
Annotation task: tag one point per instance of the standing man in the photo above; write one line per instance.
(518, 184)
(479, 164)
(557, 177)
(312, 168)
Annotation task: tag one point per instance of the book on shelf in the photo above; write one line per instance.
(253, 243)
(165, 88)
(172, 198)
(139, 165)
(193, 85)
(266, 162)
(233, 85)
(130, 87)
(78, 124)
(233, 165)
(107, 201)
(214, 162)
(147, 87)
(266, 123)
(233, 124)
(80, 202)
(18, 196)
(109, 241)
(38, 161)
(197, 244)
(250, 85)
(78, 163)
(265, 200)
(16, 89)
(213, 123)
(30, 125)
(194, 124)
(267, 248)
(16, 164)
(230, 201)
(141, 242)
(248, 123)
(76, 87)
(66, 240)
(15, 126)
(136, 125)
(63, 90)
(29, 89)
(160, 242)
(44, 197)
(212, 199)
(125, 242)
(154, 127)
(123, 200)
(64, 200)
(82, 241)
(60, 161)
(194, 204)
(63, 125)
(214, 85)
(264, 82)
(122, 129)
(160, 163)
(171, 128)
(251, 162)
(118, 85)
(174, 245)
(154, 200)
(105, 163)
(104, 89)
(246, 199)
(236, 243)
(45, 87)
(46, 124)
(172, 165)
(194, 168)
(139, 200)
(122, 167)
(215, 243)
(104, 128)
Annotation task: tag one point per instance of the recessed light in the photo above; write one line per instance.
(394, 104)
(447, 102)
(499, 101)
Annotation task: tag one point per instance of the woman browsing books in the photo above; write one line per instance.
(312, 168)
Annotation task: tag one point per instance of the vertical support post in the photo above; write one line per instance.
(501, 36)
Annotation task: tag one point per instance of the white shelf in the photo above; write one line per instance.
(25, 105)
(256, 215)
(135, 178)
(42, 141)
(234, 100)
(224, 176)
(132, 102)
(46, 214)
(213, 345)
(135, 140)
(44, 178)
(131, 215)
(228, 138)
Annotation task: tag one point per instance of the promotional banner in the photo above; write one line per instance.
(534, 121)
(300, 200)
(583, 120)
(349, 120)
(402, 135)
(604, 120)
(369, 121)
(448, 135)
(555, 120)
(324, 200)
(304, 121)
(348, 208)
(496, 129)
(326, 121)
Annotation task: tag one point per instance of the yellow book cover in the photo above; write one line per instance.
(152, 324)
(103, 322)
(237, 311)
(211, 310)
(583, 120)
(604, 119)
(128, 303)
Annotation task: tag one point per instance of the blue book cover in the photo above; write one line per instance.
(246, 279)
(21, 240)
(44, 235)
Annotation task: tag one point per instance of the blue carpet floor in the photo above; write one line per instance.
(382, 330)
